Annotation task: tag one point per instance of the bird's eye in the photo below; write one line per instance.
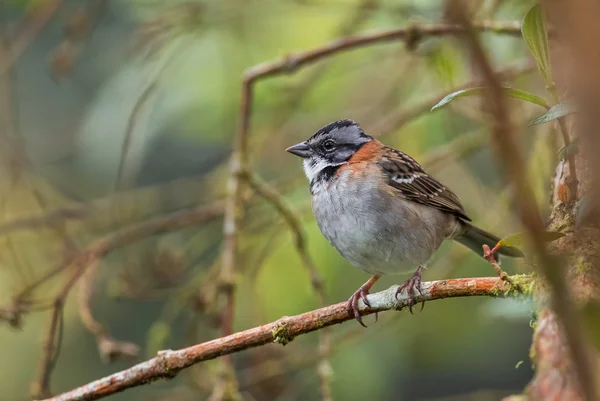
(328, 145)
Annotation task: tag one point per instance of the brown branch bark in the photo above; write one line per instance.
(168, 363)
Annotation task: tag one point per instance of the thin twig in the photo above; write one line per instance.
(504, 141)
(292, 219)
(414, 33)
(489, 256)
(131, 123)
(138, 106)
(168, 363)
(109, 349)
(50, 345)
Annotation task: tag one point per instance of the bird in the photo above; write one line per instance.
(380, 210)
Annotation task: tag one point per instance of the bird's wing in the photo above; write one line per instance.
(414, 184)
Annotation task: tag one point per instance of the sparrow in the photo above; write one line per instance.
(381, 211)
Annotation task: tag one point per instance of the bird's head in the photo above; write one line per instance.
(331, 146)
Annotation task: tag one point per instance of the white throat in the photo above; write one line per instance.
(312, 169)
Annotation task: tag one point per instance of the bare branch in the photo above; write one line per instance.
(168, 363)
(414, 34)
(50, 346)
(109, 349)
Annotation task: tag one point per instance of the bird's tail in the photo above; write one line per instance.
(474, 238)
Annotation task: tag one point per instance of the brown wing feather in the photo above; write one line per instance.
(414, 184)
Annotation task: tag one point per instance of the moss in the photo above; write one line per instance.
(495, 292)
(281, 334)
(523, 285)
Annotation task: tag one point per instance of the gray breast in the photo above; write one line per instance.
(376, 230)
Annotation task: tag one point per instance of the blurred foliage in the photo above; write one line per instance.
(135, 118)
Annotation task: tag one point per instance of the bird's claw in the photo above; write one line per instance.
(412, 285)
(352, 307)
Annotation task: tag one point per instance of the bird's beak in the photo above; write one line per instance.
(302, 149)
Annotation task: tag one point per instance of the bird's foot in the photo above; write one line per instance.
(361, 293)
(412, 286)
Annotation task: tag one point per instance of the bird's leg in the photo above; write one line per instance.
(361, 293)
(411, 285)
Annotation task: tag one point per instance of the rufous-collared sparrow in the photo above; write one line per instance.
(380, 209)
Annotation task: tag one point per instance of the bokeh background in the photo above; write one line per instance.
(117, 111)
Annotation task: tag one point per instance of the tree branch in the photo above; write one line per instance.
(168, 363)
(413, 34)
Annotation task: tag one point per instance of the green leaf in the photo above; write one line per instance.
(557, 111)
(571, 149)
(518, 239)
(526, 96)
(510, 92)
(534, 31)
(590, 316)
